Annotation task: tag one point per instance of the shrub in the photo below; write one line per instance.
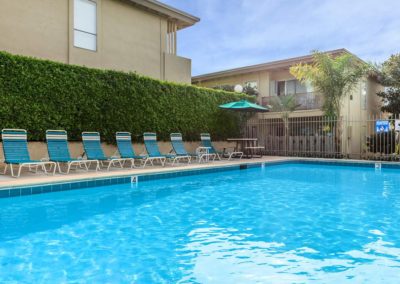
(38, 94)
(383, 142)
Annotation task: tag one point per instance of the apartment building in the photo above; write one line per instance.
(273, 80)
(126, 35)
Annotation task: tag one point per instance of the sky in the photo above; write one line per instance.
(236, 33)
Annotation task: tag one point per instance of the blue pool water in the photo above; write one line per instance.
(288, 223)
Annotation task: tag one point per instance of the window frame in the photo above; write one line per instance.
(75, 44)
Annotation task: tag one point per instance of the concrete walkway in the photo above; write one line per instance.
(29, 179)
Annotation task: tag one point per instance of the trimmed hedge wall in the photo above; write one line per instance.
(38, 94)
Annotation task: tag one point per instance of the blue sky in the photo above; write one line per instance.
(235, 33)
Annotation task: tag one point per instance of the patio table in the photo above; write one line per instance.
(200, 151)
(246, 145)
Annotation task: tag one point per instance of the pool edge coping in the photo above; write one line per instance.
(123, 178)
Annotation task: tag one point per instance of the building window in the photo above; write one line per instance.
(280, 88)
(301, 88)
(289, 87)
(85, 24)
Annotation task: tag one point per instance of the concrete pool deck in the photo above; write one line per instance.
(31, 179)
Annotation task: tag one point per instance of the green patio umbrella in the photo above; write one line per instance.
(244, 106)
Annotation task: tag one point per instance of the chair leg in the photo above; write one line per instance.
(43, 168)
(69, 167)
(5, 169)
(59, 167)
(19, 171)
(132, 163)
(12, 170)
(55, 168)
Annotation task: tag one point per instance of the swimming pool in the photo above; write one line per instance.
(284, 223)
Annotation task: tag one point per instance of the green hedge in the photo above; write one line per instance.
(38, 94)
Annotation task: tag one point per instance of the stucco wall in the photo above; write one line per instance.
(128, 38)
(177, 69)
(35, 28)
(38, 150)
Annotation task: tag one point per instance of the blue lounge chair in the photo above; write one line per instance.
(125, 149)
(94, 151)
(180, 150)
(57, 147)
(150, 141)
(15, 149)
(206, 142)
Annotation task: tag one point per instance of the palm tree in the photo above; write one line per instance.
(333, 77)
(285, 105)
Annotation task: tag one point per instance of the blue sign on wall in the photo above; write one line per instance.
(382, 126)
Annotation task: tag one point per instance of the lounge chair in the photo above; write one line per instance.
(179, 148)
(150, 141)
(94, 151)
(206, 142)
(15, 149)
(57, 147)
(125, 149)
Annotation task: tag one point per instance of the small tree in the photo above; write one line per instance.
(388, 75)
(251, 91)
(333, 77)
(285, 105)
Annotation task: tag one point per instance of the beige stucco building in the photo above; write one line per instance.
(273, 79)
(127, 35)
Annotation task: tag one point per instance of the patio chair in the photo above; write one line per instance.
(150, 141)
(94, 151)
(15, 149)
(57, 148)
(206, 142)
(125, 149)
(179, 148)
